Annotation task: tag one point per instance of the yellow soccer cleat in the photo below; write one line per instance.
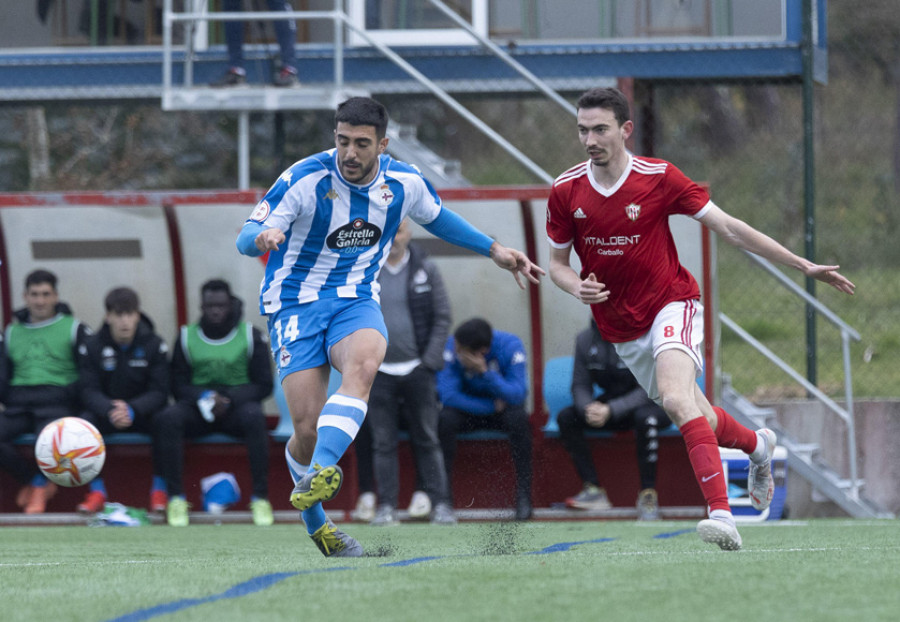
(317, 486)
(335, 543)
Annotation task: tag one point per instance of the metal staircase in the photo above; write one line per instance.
(805, 458)
(405, 145)
(184, 94)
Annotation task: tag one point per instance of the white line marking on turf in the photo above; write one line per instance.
(711, 551)
(84, 563)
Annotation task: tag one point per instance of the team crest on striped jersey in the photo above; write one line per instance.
(632, 210)
(261, 212)
(384, 195)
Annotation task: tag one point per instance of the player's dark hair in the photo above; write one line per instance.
(363, 111)
(474, 334)
(215, 285)
(122, 300)
(39, 276)
(608, 98)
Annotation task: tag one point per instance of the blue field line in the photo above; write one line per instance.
(255, 584)
(410, 562)
(565, 546)
(266, 581)
(673, 534)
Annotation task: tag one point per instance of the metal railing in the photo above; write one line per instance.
(341, 20)
(170, 18)
(847, 333)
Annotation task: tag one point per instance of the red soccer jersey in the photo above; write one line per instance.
(622, 235)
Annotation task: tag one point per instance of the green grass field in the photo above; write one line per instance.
(614, 570)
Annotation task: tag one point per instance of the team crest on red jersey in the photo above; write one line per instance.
(632, 211)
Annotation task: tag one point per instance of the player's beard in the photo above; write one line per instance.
(600, 159)
(361, 172)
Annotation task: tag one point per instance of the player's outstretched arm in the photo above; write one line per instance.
(830, 275)
(455, 229)
(516, 262)
(740, 234)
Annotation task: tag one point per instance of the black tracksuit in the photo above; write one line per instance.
(598, 365)
(137, 374)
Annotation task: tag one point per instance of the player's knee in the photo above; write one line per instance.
(366, 370)
(305, 428)
(679, 408)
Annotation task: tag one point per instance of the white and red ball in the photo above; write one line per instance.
(70, 451)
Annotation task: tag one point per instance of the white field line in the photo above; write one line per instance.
(92, 563)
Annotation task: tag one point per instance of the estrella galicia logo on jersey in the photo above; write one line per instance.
(632, 211)
(354, 238)
(261, 212)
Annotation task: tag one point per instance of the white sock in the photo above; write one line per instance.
(296, 469)
(722, 515)
(759, 454)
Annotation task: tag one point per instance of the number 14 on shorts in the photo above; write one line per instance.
(288, 333)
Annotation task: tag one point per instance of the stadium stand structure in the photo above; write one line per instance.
(365, 64)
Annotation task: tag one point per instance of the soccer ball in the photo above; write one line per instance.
(70, 451)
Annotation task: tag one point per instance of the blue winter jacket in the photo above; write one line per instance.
(505, 378)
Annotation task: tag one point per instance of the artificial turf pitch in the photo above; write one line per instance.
(584, 570)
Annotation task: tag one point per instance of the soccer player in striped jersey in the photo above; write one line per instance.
(328, 223)
(613, 210)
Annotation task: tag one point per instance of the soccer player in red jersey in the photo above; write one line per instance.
(613, 210)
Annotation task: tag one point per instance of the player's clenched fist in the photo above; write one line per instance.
(269, 240)
(591, 291)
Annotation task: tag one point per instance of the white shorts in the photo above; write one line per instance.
(679, 325)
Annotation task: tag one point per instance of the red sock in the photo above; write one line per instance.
(703, 452)
(730, 433)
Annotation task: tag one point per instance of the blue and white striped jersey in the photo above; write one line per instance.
(337, 234)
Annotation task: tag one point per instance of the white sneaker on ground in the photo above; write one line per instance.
(385, 516)
(720, 531)
(591, 497)
(365, 508)
(647, 505)
(760, 482)
(419, 505)
(443, 515)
